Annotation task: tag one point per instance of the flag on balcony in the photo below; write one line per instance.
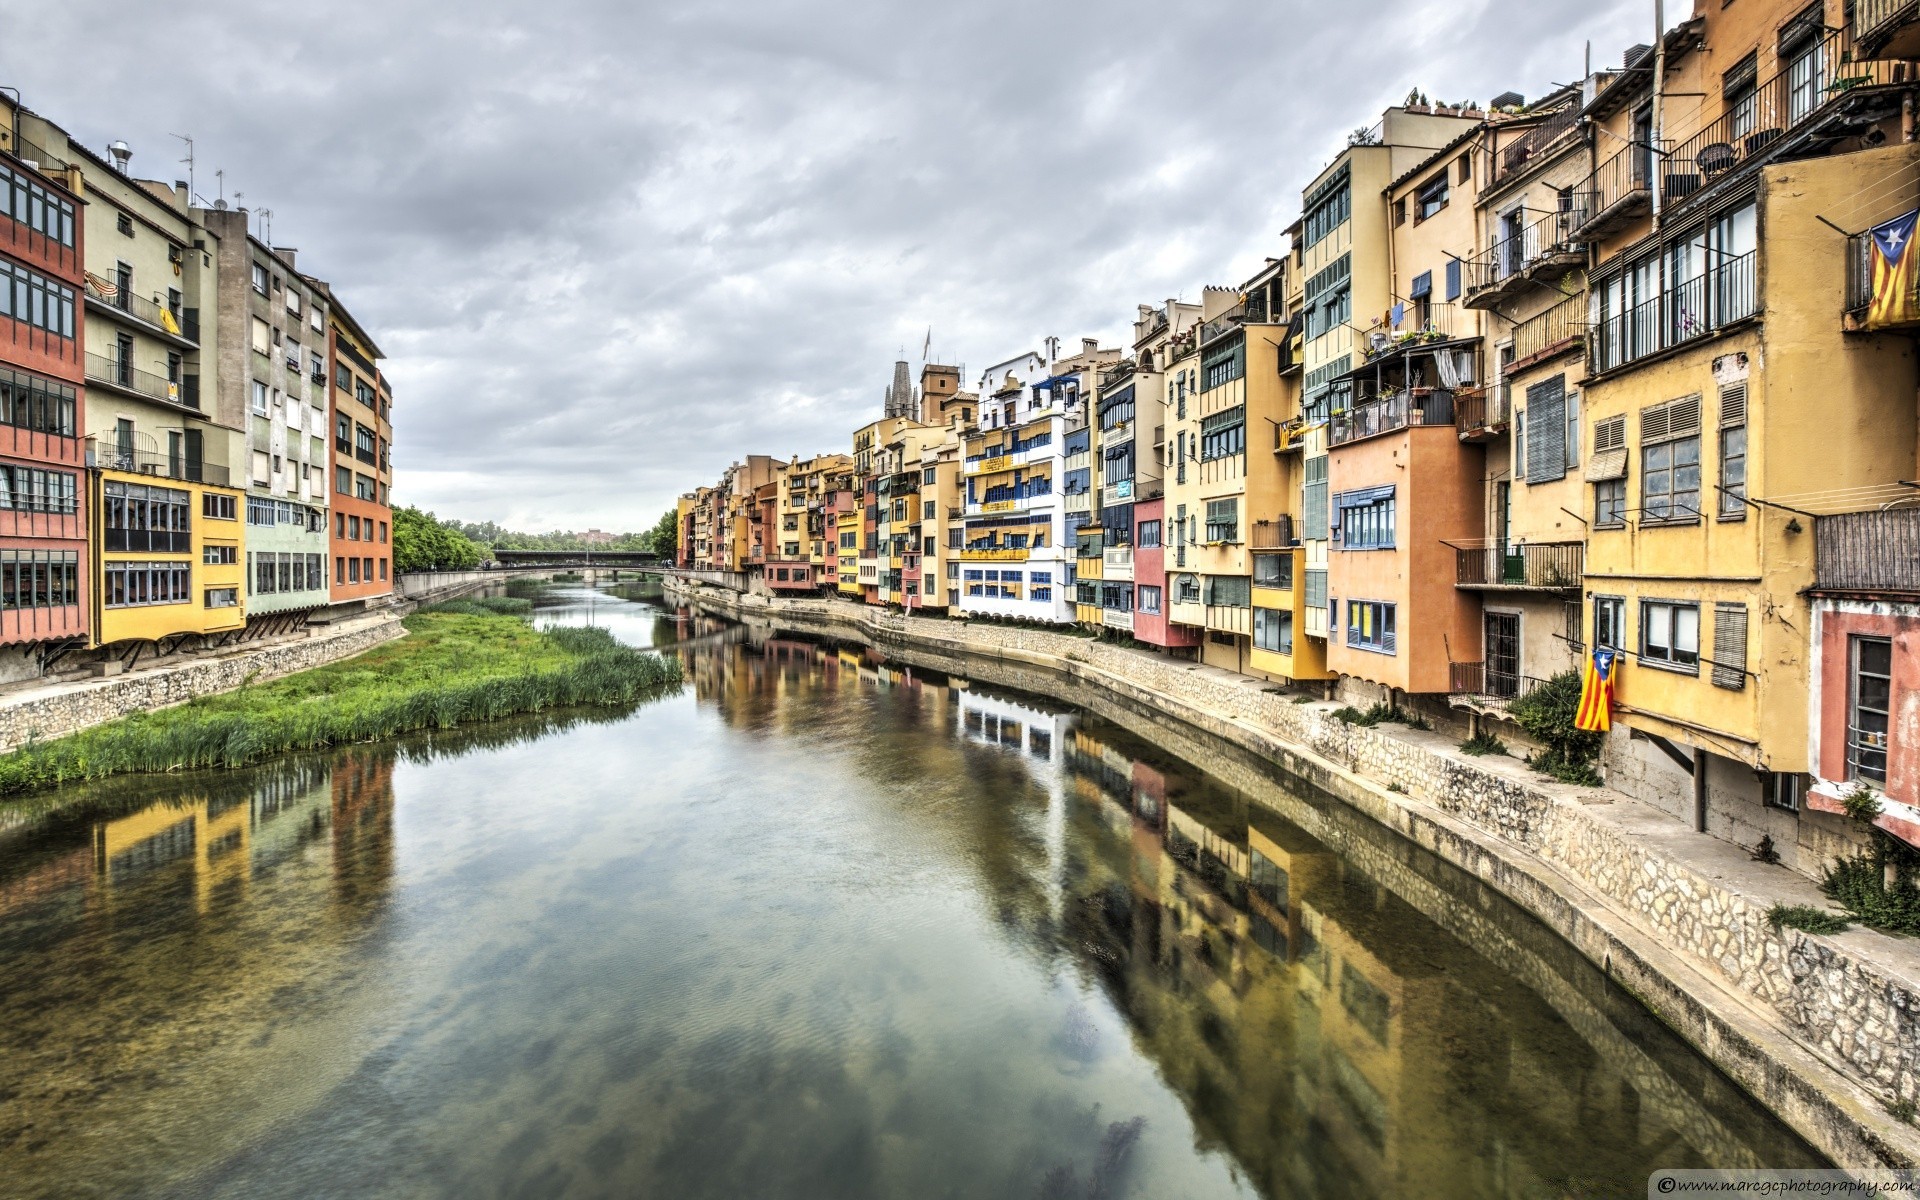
(1892, 301)
(1596, 692)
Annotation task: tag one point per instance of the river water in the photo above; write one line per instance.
(816, 926)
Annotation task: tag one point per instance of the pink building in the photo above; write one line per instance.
(1150, 596)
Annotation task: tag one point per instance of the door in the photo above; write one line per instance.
(1503, 654)
(123, 444)
(175, 455)
(1507, 565)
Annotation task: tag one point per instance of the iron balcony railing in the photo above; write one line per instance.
(109, 456)
(354, 356)
(1400, 410)
(1510, 258)
(1681, 313)
(1618, 187)
(1280, 533)
(1482, 410)
(1540, 566)
(1875, 20)
(1526, 150)
(1868, 551)
(119, 373)
(1499, 683)
(1223, 324)
(1564, 322)
(183, 324)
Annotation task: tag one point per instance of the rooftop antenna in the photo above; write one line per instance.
(266, 226)
(188, 160)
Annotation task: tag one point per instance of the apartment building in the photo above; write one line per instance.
(1527, 277)
(1742, 404)
(360, 408)
(45, 591)
(273, 378)
(1154, 328)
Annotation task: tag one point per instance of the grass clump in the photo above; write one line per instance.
(1877, 885)
(481, 606)
(1805, 917)
(1483, 743)
(456, 666)
(1381, 713)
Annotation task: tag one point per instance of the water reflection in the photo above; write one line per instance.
(822, 925)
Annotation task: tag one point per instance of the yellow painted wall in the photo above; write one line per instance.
(153, 621)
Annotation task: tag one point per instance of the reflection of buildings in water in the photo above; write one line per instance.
(994, 720)
(362, 824)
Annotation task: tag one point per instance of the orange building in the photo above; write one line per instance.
(361, 408)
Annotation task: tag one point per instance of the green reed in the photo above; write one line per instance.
(454, 667)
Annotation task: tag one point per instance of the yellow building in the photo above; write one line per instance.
(170, 557)
(1729, 400)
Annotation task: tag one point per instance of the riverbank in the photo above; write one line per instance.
(454, 667)
(1823, 1029)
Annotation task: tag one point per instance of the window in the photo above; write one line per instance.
(1670, 462)
(141, 518)
(1229, 591)
(339, 570)
(1400, 211)
(1329, 299)
(1187, 589)
(1149, 597)
(1223, 520)
(365, 445)
(1610, 504)
(1869, 695)
(260, 279)
(343, 481)
(1327, 207)
(133, 584)
(1222, 365)
(217, 507)
(1801, 49)
(383, 576)
(38, 301)
(293, 302)
(1224, 433)
(39, 578)
(1730, 646)
(260, 397)
(1609, 622)
(223, 597)
(1273, 570)
(342, 377)
(1366, 518)
(1548, 422)
(34, 206)
(1370, 626)
(1466, 166)
(1430, 198)
(36, 403)
(1783, 789)
(363, 487)
(1149, 535)
(383, 534)
(218, 555)
(353, 571)
(32, 489)
(1733, 453)
(1670, 635)
(1273, 630)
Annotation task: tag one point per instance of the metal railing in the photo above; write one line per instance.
(1482, 410)
(1692, 309)
(1868, 551)
(110, 457)
(1564, 322)
(1619, 184)
(1223, 324)
(1397, 411)
(1278, 534)
(1544, 566)
(1875, 19)
(1510, 258)
(1477, 679)
(185, 324)
(122, 374)
(1516, 156)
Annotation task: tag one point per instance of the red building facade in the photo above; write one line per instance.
(1150, 598)
(360, 405)
(43, 524)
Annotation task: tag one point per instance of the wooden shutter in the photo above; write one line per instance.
(1683, 416)
(1654, 426)
(1610, 434)
(1733, 405)
(1547, 430)
(1730, 646)
(1609, 458)
(1453, 279)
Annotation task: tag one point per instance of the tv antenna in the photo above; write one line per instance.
(188, 139)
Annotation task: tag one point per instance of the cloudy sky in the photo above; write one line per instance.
(610, 246)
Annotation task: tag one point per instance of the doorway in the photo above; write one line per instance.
(1503, 654)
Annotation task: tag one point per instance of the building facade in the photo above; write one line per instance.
(360, 410)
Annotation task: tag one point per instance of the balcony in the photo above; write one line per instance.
(1400, 410)
(1480, 686)
(1520, 566)
(1229, 618)
(1887, 28)
(108, 455)
(1558, 328)
(1539, 252)
(1280, 533)
(1532, 147)
(1117, 562)
(1224, 324)
(993, 554)
(358, 359)
(1895, 312)
(152, 317)
(1869, 552)
(1680, 314)
(1613, 195)
(1483, 414)
(1117, 618)
(125, 377)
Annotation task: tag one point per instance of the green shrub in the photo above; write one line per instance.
(1806, 917)
(1547, 714)
(454, 667)
(1483, 743)
(1861, 804)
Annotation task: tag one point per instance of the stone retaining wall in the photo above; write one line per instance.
(1830, 1032)
(59, 709)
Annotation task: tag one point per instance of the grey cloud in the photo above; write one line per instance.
(610, 247)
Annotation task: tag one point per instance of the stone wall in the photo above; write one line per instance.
(1824, 1029)
(57, 709)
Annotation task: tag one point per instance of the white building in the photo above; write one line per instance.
(1017, 558)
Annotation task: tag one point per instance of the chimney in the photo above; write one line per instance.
(121, 152)
(1089, 345)
(289, 253)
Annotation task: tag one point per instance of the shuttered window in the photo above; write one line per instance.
(1609, 461)
(1730, 646)
(1670, 462)
(1313, 492)
(1733, 452)
(1547, 430)
(1453, 276)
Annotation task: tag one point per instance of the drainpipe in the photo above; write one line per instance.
(1654, 165)
(1699, 791)
(1906, 117)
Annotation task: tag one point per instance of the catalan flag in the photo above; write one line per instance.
(1596, 691)
(1893, 300)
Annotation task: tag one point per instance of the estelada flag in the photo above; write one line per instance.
(1893, 298)
(1596, 692)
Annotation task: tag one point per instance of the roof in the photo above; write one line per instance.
(1426, 164)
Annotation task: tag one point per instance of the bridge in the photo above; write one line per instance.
(578, 559)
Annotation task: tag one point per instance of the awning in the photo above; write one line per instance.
(1608, 464)
(1407, 349)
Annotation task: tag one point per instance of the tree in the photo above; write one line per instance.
(422, 542)
(664, 538)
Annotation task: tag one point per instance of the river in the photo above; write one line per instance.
(817, 925)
